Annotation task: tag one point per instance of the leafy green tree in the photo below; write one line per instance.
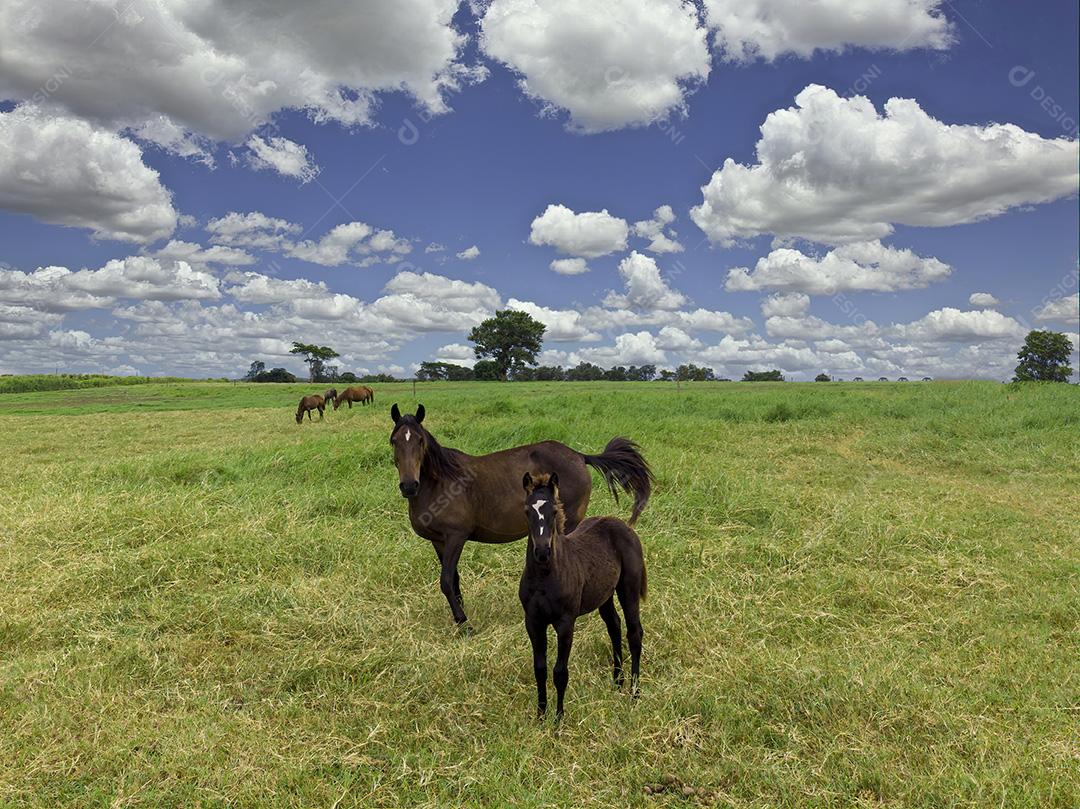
(511, 340)
(823, 378)
(616, 374)
(348, 376)
(585, 372)
(274, 375)
(256, 368)
(487, 371)
(694, 373)
(1044, 358)
(315, 356)
(667, 376)
(644, 373)
(763, 376)
(549, 373)
(438, 371)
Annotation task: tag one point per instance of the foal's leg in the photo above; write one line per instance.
(449, 580)
(537, 630)
(630, 598)
(561, 673)
(614, 630)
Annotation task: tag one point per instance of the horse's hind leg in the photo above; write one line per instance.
(630, 599)
(561, 673)
(614, 630)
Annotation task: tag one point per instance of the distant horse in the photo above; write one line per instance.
(362, 394)
(454, 497)
(329, 395)
(309, 403)
(571, 574)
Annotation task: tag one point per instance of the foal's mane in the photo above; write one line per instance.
(543, 481)
(441, 462)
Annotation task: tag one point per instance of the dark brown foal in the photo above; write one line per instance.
(573, 574)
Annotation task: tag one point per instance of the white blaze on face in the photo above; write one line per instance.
(408, 434)
(537, 505)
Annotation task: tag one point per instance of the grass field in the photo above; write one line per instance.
(860, 594)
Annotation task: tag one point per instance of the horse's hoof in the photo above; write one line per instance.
(465, 629)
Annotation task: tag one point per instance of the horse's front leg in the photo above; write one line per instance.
(537, 629)
(449, 580)
(561, 673)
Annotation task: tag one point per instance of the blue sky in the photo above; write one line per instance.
(875, 227)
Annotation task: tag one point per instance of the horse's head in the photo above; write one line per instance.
(544, 513)
(409, 440)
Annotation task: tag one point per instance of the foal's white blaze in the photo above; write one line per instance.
(408, 435)
(537, 506)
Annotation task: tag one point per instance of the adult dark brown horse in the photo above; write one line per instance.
(455, 497)
(362, 394)
(570, 574)
(309, 403)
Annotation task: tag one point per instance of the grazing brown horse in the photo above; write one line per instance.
(571, 574)
(362, 394)
(454, 497)
(309, 403)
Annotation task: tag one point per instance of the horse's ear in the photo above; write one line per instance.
(554, 482)
(395, 414)
(419, 414)
(526, 482)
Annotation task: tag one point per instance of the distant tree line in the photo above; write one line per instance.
(507, 346)
(325, 374)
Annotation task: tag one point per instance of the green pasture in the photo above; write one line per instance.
(859, 595)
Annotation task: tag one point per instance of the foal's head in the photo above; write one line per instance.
(409, 440)
(544, 512)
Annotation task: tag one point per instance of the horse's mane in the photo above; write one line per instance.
(543, 481)
(441, 462)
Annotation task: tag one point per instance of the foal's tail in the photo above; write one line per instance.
(623, 466)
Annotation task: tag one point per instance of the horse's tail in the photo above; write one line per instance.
(623, 466)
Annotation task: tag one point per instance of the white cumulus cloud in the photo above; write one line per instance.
(222, 67)
(653, 230)
(645, 288)
(983, 299)
(1065, 309)
(587, 235)
(749, 29)
(469, 253)
(286, 157)
(569, 266)
(608, 63)
(833, 169)
(860, 266)
(65, 171)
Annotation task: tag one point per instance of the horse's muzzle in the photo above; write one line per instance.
(542, 555)
(409, 489)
